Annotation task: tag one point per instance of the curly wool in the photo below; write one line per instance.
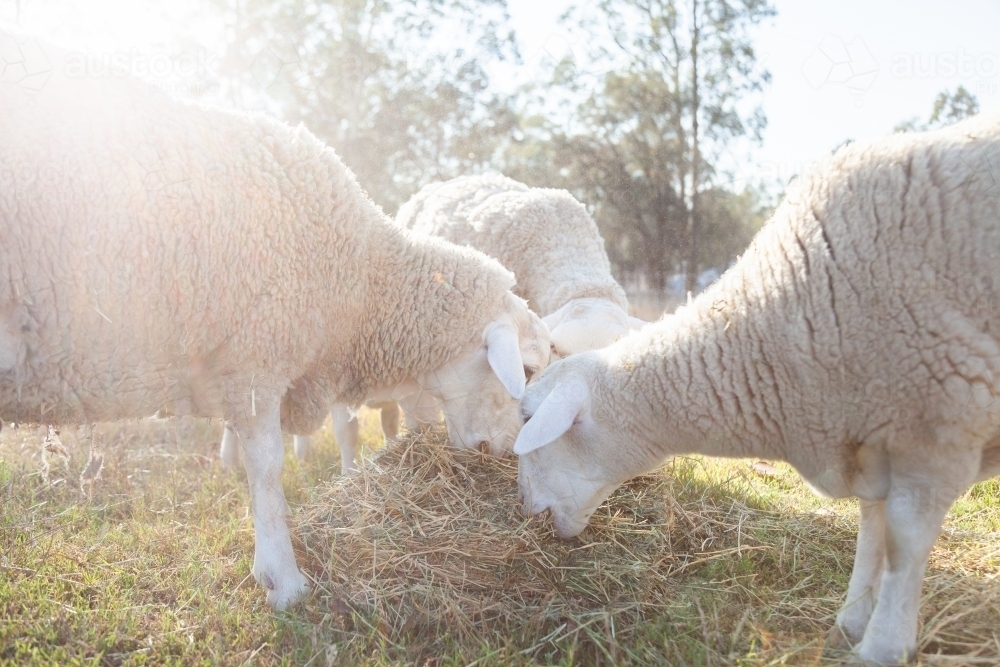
(858, 338)
(158, 252)
(545, 236)
(866, 307)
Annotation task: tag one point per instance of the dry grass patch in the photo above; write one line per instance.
(423, 558)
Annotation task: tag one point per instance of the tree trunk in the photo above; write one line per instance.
(659, 278)
(691, 279)
(682, 140)
(660, 253)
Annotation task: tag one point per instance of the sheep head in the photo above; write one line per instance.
(587, 324)
(479, 388)
(571, 454)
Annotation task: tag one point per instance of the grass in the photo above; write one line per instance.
(423, 559)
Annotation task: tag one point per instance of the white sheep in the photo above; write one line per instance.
(550, 242)
(161, 253)
(547, 238)
(858, 339)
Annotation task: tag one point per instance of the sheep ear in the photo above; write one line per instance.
(553, 417)
(552, 320)
(504, 355)
(636, 323)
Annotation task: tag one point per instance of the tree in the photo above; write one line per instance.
(672, 86)
(365, 77)
(626, 176)
(730, 222)
(946, 110)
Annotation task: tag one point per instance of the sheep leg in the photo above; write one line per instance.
(862, 592)
(303, 447)
(913, 513)
(411, 422)
(274, 565)
(229, 451)
(419, 411)
(345, 429)
(390, 421)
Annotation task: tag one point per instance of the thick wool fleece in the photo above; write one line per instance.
(861, 323)
(164, 253)
(545, 236)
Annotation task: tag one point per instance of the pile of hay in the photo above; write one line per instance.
(423, 557)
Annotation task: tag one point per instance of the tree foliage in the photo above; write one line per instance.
(367, 77)
(948, 108)
(634, 123)
(653, 107)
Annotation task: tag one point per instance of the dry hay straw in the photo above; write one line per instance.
(960, 605)
(423, 557)
(427, 546)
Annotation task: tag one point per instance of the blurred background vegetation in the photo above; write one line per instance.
(639, 117)
(633, 123)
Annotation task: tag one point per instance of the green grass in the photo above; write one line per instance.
(153, 567)
(703, 563)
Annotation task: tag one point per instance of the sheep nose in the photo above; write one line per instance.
(525, 509)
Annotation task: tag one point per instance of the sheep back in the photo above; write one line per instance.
(868, 305)
(162, 253)
(545, 236)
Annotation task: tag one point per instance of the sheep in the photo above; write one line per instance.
(550, 242)
(225, 264)
(858, 339)
(547, 238)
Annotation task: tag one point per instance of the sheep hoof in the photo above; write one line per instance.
(837, 638)
(283, 594)
(871, 654)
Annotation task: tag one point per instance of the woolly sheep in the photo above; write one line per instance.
(858, 339)
(550, 242)
(161, 253)
(547, 238)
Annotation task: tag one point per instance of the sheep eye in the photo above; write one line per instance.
(524, 418)
(528, 373)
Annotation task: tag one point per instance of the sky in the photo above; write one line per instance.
(897, 56)
(841, 69)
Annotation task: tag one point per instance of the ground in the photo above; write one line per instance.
(424, 559)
